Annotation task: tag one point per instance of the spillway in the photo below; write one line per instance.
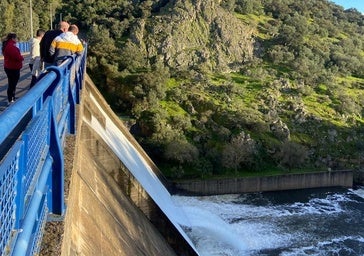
(118, 203)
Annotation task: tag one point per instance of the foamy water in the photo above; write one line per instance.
(307, 222)
(359, 191)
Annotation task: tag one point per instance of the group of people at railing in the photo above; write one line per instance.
(46, 49)
(32, 140)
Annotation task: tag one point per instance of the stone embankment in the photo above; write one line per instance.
(266, 183)
(359, 177)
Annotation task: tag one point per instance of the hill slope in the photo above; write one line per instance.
(212, 87)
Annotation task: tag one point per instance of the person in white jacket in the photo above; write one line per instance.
(66, 44)
(35, 47)
(35, 63)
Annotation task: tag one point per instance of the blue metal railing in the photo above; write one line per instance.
(23, 47)
(32, 133)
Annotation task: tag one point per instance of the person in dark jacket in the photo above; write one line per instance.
(13, 62)
(66, 44)
(46, 41)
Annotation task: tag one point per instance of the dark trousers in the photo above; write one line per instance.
(33, 81)
(13, 78)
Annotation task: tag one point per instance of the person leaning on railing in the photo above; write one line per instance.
(46, 41)
(13, 62)
(66, 44)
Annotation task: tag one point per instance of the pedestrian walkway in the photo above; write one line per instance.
(22, 87)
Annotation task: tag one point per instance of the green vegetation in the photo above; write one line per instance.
(232, 87)
(15, 16)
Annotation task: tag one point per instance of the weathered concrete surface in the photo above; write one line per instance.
(102, 216)
(267, 183)
(101, 220)
(359, 177)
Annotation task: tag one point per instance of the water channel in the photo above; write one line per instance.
(326, 221)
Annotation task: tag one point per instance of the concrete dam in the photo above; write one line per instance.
(118, 202)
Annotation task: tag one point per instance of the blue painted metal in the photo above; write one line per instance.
(32, 132)
(23, 47)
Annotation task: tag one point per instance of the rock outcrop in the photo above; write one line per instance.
(200, 35)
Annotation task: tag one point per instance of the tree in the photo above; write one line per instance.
(249, 6)
(292, 155)
(15, 16)
(7, 17)
(239, 152)
(182, 152)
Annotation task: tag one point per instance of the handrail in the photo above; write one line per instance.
(32, 136)
(23, 47)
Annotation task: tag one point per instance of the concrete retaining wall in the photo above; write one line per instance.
(108, 211)
(359, 177)
(268, 183)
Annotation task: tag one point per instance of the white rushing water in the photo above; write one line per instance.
(141, 170)
(359, 191)
(214, 232)
(284, 223)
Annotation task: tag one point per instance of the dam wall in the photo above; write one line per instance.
(266, 183)
(118, 203)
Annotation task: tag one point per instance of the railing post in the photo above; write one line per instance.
(19, 199)
(22, 247)
(56, 202)
(70, 76)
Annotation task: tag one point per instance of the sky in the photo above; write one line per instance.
(358, 4)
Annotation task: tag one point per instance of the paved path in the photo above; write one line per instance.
(22, 87)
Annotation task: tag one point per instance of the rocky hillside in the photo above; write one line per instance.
(200, 35)
(232, 87)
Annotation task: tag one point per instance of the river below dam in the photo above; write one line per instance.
(326, 221)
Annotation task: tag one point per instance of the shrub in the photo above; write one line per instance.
(181, 152)
(292, 155)
(240, 151)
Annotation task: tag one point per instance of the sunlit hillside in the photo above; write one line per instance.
(214, 88)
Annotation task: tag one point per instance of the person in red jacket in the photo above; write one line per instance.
(13, 62)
